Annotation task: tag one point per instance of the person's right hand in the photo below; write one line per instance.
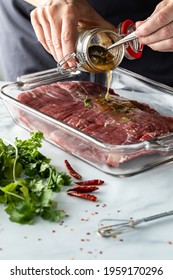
(56, 24)
(157, 30)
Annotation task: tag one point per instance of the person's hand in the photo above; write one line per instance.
(56, 24)
(157, 30)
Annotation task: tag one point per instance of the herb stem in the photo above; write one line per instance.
(15, 160)
(13, 194)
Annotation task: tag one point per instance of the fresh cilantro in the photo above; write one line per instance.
(28, 180)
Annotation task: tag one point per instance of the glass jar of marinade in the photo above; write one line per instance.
(92, 43)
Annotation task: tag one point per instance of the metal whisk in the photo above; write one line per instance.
(113, 227)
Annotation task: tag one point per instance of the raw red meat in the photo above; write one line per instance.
(118, 121)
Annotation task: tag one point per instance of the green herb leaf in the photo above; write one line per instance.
(87, 102)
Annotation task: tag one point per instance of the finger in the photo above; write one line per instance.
(160, 6)
(162, 34)
(56, 27)
(38, 30)
(69, 37)
(163, 46)
(44, 20)
(140, 22)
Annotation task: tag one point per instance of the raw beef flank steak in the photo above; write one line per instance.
(116, 121)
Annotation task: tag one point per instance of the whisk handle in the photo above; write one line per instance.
(126, 39)
(154, 217)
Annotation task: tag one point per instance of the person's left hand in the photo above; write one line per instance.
(157, 30)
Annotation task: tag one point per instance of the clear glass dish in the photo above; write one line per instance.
(126, 160)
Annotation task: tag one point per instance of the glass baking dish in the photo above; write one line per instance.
(126, 160)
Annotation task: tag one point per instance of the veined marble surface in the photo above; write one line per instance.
(76, 236)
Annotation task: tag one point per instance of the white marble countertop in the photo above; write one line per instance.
(76, 236)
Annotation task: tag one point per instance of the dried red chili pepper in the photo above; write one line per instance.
(84, 189)
(71, 171)
(83, 195)
(90, 182)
